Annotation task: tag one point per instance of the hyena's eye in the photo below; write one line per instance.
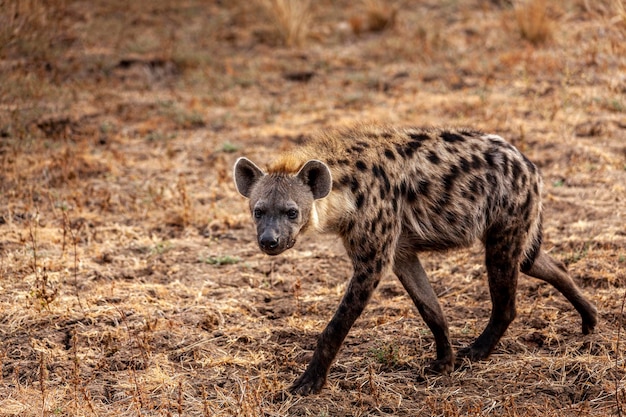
(292, 214)
(258, 213)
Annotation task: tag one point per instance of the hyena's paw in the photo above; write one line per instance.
(441, 366)
(308, 383)
(590, 320)
(474, 353)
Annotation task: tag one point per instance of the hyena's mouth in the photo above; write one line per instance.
(279, 248)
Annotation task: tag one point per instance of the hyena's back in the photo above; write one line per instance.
(448, 187)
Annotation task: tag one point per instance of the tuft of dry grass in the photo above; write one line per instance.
(532, 20)
(619, 9)
(28, 28)
(379, 16)
(291, 19)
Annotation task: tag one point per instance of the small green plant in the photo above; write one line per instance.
(578, 255)
(222, 260)
(161, 247)
(386, 354)
(229, 147)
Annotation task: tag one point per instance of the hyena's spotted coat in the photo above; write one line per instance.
(393, 192)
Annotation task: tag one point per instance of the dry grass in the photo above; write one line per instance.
(291, 19)
(130, 283)
(619, 9)
(532, 19)
(31, 28)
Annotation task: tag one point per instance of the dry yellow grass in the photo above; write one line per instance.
(291, 19)
(130, 283)
(532, 20)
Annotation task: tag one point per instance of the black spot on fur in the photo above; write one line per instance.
(516, 169)
(434, 158)
(452, 137)
(450, 178)
(390, 155)
(400, 150)
(376, 170)
(419, 136)
(492, 180)
(423, 187)
(477, 186)
(343, 162)
(411, 147)
(523, 179)
(403, 187)
(443, 201)
(465, 165)
(379, 217)
(362, 166)
(396, 191)
(411, 195)
(356, 149)
(489, 156)
(360, 199)
(505, 166)
(477, 162)
(385, 178)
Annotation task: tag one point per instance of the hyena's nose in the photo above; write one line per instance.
(268, 242)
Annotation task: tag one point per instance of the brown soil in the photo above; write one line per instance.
(130, 280)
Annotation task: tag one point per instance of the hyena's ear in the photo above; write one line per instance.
(316, 175)
(246, 174)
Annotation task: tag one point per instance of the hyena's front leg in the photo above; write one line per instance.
(369, 266)
(411, 274)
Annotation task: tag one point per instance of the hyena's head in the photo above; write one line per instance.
(281, 204)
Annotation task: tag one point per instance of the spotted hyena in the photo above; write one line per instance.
(391, 193)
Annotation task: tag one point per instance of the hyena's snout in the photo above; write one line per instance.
(272, 242)
(269, 240)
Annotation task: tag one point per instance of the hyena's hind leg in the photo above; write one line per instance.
(554, 272)
(502, 255)
(411, 274)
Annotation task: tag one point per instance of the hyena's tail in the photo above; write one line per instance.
(533, 250)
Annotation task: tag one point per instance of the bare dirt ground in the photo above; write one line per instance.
(130, 282)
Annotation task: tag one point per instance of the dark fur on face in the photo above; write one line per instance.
(281, 204)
